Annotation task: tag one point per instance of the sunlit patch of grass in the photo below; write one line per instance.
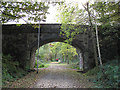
(46, 65)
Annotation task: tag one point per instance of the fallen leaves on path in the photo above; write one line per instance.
(55, 76)
(26, 81)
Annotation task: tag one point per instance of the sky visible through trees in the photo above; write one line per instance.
(51, 17)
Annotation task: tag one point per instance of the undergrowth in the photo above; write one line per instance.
(41, 64)
(11, 70)
(110, 78)
(75, 65)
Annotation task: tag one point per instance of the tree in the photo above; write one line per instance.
(87, 8)
(81, 60)
(55, 49)
(33, 11)
(68, 17)
(45, 53)
(108, 17)
(68, 52)
(107, 12)
(71, 18)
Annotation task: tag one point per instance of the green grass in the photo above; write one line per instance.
(46, 65)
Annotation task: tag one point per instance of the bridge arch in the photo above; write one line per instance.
(26, 42)
(78, 45)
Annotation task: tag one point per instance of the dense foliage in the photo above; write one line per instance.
(41, 64)
(14, 11)
(57, 50)
(112, 79)
(69, 17)
(110, 42)
(107, 12)
(108, 18)
(11, 69)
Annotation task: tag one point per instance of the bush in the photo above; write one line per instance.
(10, 69)
(40, 66)
(92, 71)
(75, 65)
(112, 75)
(110, 78)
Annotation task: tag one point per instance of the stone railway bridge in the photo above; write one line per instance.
(21, 42)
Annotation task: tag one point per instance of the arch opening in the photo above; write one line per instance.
(59, 52)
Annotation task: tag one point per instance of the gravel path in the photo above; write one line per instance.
(55, 76)
(60, 76)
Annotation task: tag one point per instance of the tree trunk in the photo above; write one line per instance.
(64, 58)
(81, 61)
(67, 59)
(92, 33)
(98, 45)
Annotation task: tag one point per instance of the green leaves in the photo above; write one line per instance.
(71, 18)
(33, 11)
(52, 51)
(107, 12)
